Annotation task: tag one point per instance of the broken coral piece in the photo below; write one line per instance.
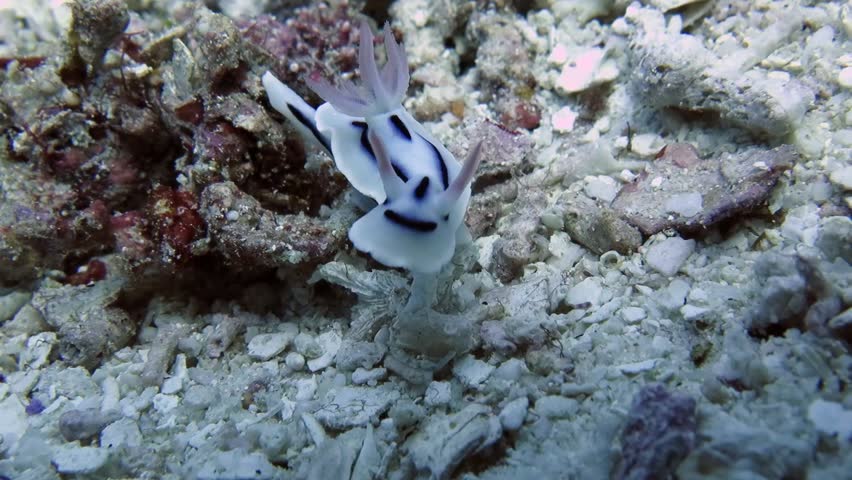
(728, 185)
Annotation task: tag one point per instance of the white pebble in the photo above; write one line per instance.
(79, 460)
(669, 255)
(842, 177)
(844, 78)
(295, 361)
(511, 369)
(831, 418)
(514, 413)
(172, 385)
(556, 406)
(637, 367)
(14, 423)
(691, 312)
(587, 292)
(646, 144)
(471, 371)
(601, 187)
(579, 74)
(363, 376)
(563, 120)
(267, 345)
(438, 393)
(632, 314)
(305, 388)
(559, 54)
(306, 344)
(685, 204)
(329, 343)
(38, 350)
(11, 303)
(123, 432)
(165, 403)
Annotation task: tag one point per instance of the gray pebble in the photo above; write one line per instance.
(82, 424)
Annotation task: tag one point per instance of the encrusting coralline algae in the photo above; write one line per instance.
(657, 282)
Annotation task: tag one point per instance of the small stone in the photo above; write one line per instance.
(632, 314)
(553, 221)
(348, 407)
(730, 185)
(329, 343)
(88, 325)
(11, 303)
(511, 370)
(472, 372)
(14, 423)
(307, 345)
(514, 413)
(841, 322)
(844, 78)
(237, 464)
(831, 418)
(842, 177)
(172, 385)
(597, 227)
(563, 120)
(601, 187)
(684, 204)
(559, 54)
(555, 406)
(165, 403)
(28, 321)
(637, 367)
(38, 350)
(691, 312)
(576, 390)
(674, 295)
(405, 414)
(659, 433)
(122, 433)
(295, 361)
(353, 355)
(646, 144)
(305, 388)
(586, 69)
(79, 460)
(438, 393)
(267, 345)
(200, 396)
(363, 376)
(442, 441)
(584, 294)
(77, 424)
(669, 255)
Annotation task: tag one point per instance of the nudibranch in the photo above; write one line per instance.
(421, 190)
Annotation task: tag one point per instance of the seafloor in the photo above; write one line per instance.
(658, 284)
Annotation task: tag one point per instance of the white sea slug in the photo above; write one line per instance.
(420, 189)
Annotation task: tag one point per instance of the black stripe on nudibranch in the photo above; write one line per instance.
(420, 191)
(412, 223)
(399, 173)
(442, 165)
(365, 139)
(400, 126)
(309, 125)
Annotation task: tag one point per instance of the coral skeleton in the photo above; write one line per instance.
(421, 191)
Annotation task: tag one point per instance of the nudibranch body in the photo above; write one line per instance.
(421, 191)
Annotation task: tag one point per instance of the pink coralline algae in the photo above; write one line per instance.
(319, 40)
